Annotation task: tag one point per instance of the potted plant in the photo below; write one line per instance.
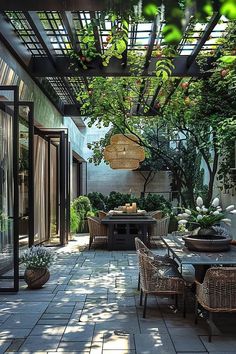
(37, 259)
(208, 235)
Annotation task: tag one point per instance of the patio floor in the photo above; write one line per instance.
(91, 305)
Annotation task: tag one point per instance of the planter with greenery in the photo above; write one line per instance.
(37, 259)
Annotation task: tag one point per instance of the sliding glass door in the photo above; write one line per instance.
(9, 202)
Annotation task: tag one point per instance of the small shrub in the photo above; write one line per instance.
(37, 257)
(98, 200)
(74, 220)
(156, 202)
(82, 206)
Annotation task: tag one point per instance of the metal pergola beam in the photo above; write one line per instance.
(67, 20)
(209, 28)
(35, 23)
(42, 67)
(13, 42)
(53, 5)
(151, 43)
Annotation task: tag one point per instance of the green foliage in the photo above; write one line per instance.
(37, 257)
(98, 200)
(82, 206)
(155, 202)
(74, 220)
(116, 199)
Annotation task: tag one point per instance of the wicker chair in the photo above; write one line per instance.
(217, 292)
(160, 228)
(157, 259)
(101, 214)
(156, 214)
(159, 280)
(96, 230)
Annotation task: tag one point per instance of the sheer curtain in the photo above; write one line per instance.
(40, 184)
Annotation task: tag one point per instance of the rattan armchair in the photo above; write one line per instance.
(157, 259)
(96, 230)
(217, 292)
(101, 214)
(160, 228)
(159, 280)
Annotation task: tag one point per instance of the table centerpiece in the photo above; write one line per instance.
(209, 233)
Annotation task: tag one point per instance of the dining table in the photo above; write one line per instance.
(200, 260)
(123, 228)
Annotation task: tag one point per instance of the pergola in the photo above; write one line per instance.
(42, 35)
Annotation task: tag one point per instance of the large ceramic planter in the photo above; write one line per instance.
(35, 278)
(209, 243)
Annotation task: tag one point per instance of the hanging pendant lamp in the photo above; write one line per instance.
(124, 153)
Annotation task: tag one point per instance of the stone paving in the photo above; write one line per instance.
(91, 305)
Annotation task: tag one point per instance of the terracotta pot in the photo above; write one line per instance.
(35, 278)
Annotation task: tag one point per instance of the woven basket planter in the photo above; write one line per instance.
(35, 278)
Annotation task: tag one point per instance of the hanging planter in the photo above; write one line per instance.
(124, 153)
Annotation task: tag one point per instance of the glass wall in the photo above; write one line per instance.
(8, 190)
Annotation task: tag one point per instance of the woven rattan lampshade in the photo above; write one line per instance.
(124, 153)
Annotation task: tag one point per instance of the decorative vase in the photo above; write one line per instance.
(210, 243)
(35, 278)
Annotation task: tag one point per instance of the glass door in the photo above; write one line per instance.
(9, 201)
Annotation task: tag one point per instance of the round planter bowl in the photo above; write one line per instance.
(210, 243)
(35, 278)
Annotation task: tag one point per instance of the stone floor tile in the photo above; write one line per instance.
(56, 322)
(4, 345)
(221, 344)
(60, 309)
(21, 320)
(55, 316)
(14, 333)
(23, 307)
(15, 345)
(40, 343)
(122, 341)
(81, 347)
(118, 352)
(154, 343)
(187, 343)
(118, 326)
(79, 333)
(96, 348)
(49, 330)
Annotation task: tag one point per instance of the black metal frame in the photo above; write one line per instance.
(50, 65)
(63, 178)
(15, 135)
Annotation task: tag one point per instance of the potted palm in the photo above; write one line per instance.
(208, 235)
(37, 260)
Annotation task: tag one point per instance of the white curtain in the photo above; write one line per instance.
(40, 185)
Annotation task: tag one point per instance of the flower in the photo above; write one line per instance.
(206, 217)
(199, 202)
(37, 257)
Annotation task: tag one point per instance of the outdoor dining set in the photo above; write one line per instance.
(162, 275)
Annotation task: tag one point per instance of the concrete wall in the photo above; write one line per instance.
(103, 179)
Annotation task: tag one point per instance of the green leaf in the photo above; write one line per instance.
(228, 9)
(228, 59)
(86, 39)
(172, 34)
(150, 9)
(121, 46)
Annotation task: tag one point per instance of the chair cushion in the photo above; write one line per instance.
(166, 260)
(168, 272)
